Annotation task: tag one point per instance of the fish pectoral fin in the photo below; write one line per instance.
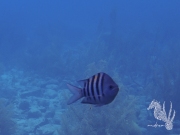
(76, 94)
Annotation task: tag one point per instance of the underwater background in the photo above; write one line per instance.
(46, 44)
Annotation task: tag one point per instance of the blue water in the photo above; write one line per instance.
(46, 44)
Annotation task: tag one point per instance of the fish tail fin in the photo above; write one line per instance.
(76, 94)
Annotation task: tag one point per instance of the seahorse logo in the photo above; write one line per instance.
(160, 114)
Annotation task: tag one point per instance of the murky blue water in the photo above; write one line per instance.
(46, 44)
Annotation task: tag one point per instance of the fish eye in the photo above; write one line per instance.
(110, 87)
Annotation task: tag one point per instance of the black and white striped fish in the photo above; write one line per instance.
(100, 89)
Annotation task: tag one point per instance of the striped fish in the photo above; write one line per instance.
(100, 89)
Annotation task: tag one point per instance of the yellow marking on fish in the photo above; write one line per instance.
(95, 78)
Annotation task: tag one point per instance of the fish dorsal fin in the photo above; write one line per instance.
(81, 82)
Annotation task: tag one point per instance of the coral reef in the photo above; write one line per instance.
(35, 104)
(7, 125)
(117, 118)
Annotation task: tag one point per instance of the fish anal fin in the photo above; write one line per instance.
(88, 100)
(99, 105)
(85, 101)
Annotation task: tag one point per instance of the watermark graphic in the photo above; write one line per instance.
(160, 114)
